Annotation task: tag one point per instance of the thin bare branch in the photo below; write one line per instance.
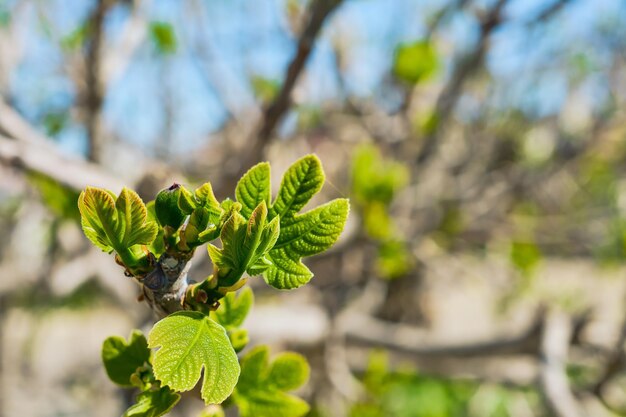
(555, 342)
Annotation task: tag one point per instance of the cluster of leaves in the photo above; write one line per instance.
(375, 183)
(258, 236)
(410, 394)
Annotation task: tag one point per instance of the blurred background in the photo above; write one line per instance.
(482, 144)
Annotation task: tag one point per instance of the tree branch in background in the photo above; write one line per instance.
(555, 342)
(462, 72)
(317, 14)
(45, 159)
(115, 61)
(95, 88)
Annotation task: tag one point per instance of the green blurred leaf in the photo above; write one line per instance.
(265, 89)
(55, 121)
(190, 341)
(260, 391)
(121, 359)
(163, 37)
(59, 199)
(394, 259)
(525, 256)
(289, 371)
(415, 62)
(234, 308)
(375, 178)
(76, 38)
(153, 403)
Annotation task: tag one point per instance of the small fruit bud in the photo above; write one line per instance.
(166, 207)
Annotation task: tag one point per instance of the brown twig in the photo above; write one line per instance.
(94, 94)
(318, 12)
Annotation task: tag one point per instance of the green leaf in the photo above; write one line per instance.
(60, 199)
(234, 308)
(261, 388)
(415, 62)
(289, 371)
(253, 188)
(304, 235)
(121, 359)
(245, 245)
(134, 217)
(205, 198)
(99, 218)
(153, 403)
(302, 181)
(290, 237)
(186, 201)
(157, 247)
(190, 341)
(115, 225)
(163, 37)
(265, 89)
(525, 256)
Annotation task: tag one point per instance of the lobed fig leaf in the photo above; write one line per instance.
(189, 342)
(121, 359)
(300, 235)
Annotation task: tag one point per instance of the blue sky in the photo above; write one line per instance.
(253, 38)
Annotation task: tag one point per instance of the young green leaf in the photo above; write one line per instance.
(253, 188)
(157, 247)
(304, 235)
(261, 388)
(134, 218)
(205, 198)
(153, 403)
(245, 245)
(99, 218)
(190, 341)
(300, 235)
(115, 225)
(234, 308)
(301, 181)
(121, 359)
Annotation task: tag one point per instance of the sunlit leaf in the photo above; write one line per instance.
(234, 308)
(189, 342)
(299, 235)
